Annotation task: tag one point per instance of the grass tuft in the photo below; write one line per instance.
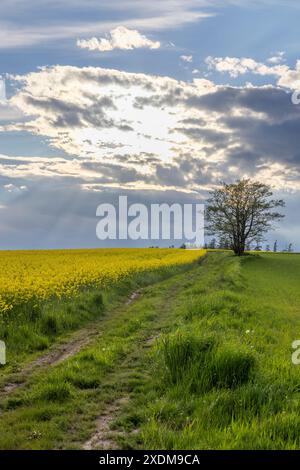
(183, 354)
(55, 391)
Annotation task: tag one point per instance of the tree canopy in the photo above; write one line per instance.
(242, 212)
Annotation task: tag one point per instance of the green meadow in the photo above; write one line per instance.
(200, 359)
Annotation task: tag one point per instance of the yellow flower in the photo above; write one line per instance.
(35, 276)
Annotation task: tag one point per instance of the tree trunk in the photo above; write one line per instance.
(239, 250)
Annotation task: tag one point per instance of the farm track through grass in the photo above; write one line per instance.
(73, 394)
(201, 360)
(57, 328)
(46, 294)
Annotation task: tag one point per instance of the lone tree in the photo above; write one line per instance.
(242, 212)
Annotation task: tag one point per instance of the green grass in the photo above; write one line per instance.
(217, 373)
(225, 376)
(37, 326)
(59, 405)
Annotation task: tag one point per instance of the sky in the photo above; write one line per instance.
(159, 101)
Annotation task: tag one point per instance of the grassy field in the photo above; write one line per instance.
(198, 359)
(226, 376)
(47, 293)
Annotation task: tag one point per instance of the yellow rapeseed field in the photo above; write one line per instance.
(39, 275)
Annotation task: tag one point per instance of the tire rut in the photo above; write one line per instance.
(57, 354)
(104, 438)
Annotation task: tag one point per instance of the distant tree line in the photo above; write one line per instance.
(224, 243)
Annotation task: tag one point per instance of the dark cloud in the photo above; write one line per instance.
(113, 172)
(208, 136)
(265, 140)
(274, 102)
(204, 134)
(67, 114)
(170, 176)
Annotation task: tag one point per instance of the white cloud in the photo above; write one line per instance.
(56, 24)
(236, 66)
(291, 78)
(286, 77)
(187, 58)
(12, 188)
(278, 58)
(63, 20)
(95, 112)
(118, 38)
(133, 129)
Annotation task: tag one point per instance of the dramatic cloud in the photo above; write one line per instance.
(118, 38)
(138, 130)
(75, 136)
(98, 113)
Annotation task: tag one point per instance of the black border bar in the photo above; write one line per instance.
(145, 459)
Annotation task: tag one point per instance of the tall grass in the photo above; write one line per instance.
(198, 364)
(225, 379)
